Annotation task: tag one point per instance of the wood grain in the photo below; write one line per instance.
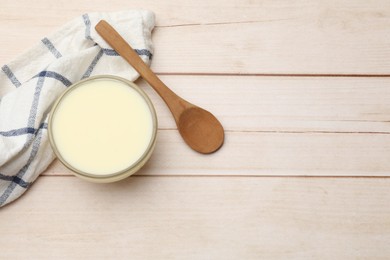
(297, 37)
(284, 104)
(270, 154)
(221, 55)
(199, 218)
(189, 12)
(331, 43)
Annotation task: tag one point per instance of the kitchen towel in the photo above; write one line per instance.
(32, 82)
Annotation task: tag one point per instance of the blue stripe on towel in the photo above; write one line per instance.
(93, 64)
(22, 171)
(22, 183)
(11, 76)
(22, 131)
(54, 75)
(51, 47)
(144, 52)
(34, 106)
(111, 52)
(87, 23)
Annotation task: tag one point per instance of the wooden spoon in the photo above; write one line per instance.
(198, 127)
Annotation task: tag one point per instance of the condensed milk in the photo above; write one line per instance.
(103, 128)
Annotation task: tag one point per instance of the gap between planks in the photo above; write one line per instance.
(239, 176)
(305, 75)
(295, 132)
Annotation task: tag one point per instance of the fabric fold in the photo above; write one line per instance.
(31, 83)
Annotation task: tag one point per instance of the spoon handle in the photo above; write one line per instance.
(175, 103)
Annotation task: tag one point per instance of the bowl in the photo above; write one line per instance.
(103, 128)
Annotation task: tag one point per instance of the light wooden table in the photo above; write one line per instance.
(303, 90)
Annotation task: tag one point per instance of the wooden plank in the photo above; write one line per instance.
(173, 13)
(270, 154)
(331, 43)
(306, 126)
(187, 12)
(199, 218)
(284, 104)
(297, 37)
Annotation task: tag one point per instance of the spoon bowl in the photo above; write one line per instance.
(200, 129)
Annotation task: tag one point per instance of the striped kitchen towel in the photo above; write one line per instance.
(31, 83)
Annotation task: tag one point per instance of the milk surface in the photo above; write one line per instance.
(102, 127)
